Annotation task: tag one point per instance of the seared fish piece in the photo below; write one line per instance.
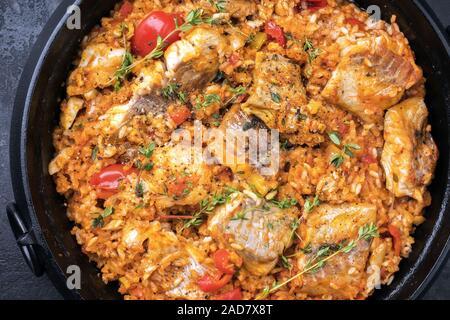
(278, 98)
(258, 232)
(276, 80)
(252, 170)
(146, 99)
(409, 155)
(179, 177)
(178, 257)
(236, 123)
(371, 77)
(343, 275)
(193, 61)
(96, 69)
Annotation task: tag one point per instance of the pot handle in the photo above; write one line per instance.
(25, 239)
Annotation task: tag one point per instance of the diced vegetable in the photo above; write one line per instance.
(367, 158)
(126, 9)
(314, 5)
(180, 115)
(234, 294)
(258, 41)
(107, 180)
(178, 187)
(222, 261)
(396, 238)
(275, 33)
(209, 283)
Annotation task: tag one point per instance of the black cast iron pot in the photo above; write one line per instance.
(38, 217)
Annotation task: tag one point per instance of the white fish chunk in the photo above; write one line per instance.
(409, 154)
(342, 275)
(259, 233)
(371, 77)
(98, 65)
(194, 61)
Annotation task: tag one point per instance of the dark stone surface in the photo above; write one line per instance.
(20, 23)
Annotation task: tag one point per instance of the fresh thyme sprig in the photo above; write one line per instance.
(285, 262)
(194, 18)
(127, 61)
(285, 203)
(208, 99)
(94, 153)
(310, 205)
(172, 91)
(147, 152)
(241, 215)
(238, 91)
(294, 226)
(208, 205)
(324, 254)
(99, 220)
(219, 5)
(337, 159)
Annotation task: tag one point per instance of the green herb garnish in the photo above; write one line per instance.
(275, 97)
(285, 262)
(219, 5)
(172, 91)
(349, 146)
(285, 203)
(241, 215)
(139, 190)
(335, 138)
(208, 100)
(337, 159)
(94, 153)
(312, 52)
(324, 254)
(208, 205)
(310, 205)
(240, 90)
(98, 222)
(147, 151)
(123, 71)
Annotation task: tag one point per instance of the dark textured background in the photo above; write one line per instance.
(20, 24)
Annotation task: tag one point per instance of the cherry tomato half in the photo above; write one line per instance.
(234, 294)
(275, 32)
(209, 283)
(222, 261)
(157, 23)
(107, 180)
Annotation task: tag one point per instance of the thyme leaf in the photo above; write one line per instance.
(285, 203)
(98, 222)
(310, 205)
(335, 138)
(219, 5)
